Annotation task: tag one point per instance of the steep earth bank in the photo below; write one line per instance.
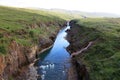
(95, 48)
(19, 56)
(78, 70)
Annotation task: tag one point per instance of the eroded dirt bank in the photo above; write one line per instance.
(18, 58)
(78, 71)
(94, 49)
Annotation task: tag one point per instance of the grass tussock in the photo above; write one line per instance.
(25, 26)
(103, 58)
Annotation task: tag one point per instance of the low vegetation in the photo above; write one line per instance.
(25, 26)
(103, 58)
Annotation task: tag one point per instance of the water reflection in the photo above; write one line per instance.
(55, 64)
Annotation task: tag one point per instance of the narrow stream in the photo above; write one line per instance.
(54, 63)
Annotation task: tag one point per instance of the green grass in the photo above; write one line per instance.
(103, 58)
(25, 26)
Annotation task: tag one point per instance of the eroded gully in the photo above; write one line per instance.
(54, 64)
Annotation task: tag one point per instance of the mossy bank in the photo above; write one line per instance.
(23, 33)
(102, 59)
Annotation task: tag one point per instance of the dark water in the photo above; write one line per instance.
(54, 63)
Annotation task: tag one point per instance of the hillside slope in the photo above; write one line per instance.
(23, 33)
(72, 14)
(102, 58)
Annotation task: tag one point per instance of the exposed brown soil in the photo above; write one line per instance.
(15, 63)
(75, 49)
(82, 50)
(72, 73)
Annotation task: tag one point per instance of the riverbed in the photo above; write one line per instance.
(55, 62)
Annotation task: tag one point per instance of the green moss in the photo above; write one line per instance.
(3, 49)
(10, 78)
(1, 35)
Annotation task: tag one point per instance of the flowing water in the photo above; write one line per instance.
(54, 63)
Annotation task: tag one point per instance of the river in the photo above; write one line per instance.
(54, 63)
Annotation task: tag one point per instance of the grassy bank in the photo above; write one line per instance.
(102, 59)
(25, 26)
